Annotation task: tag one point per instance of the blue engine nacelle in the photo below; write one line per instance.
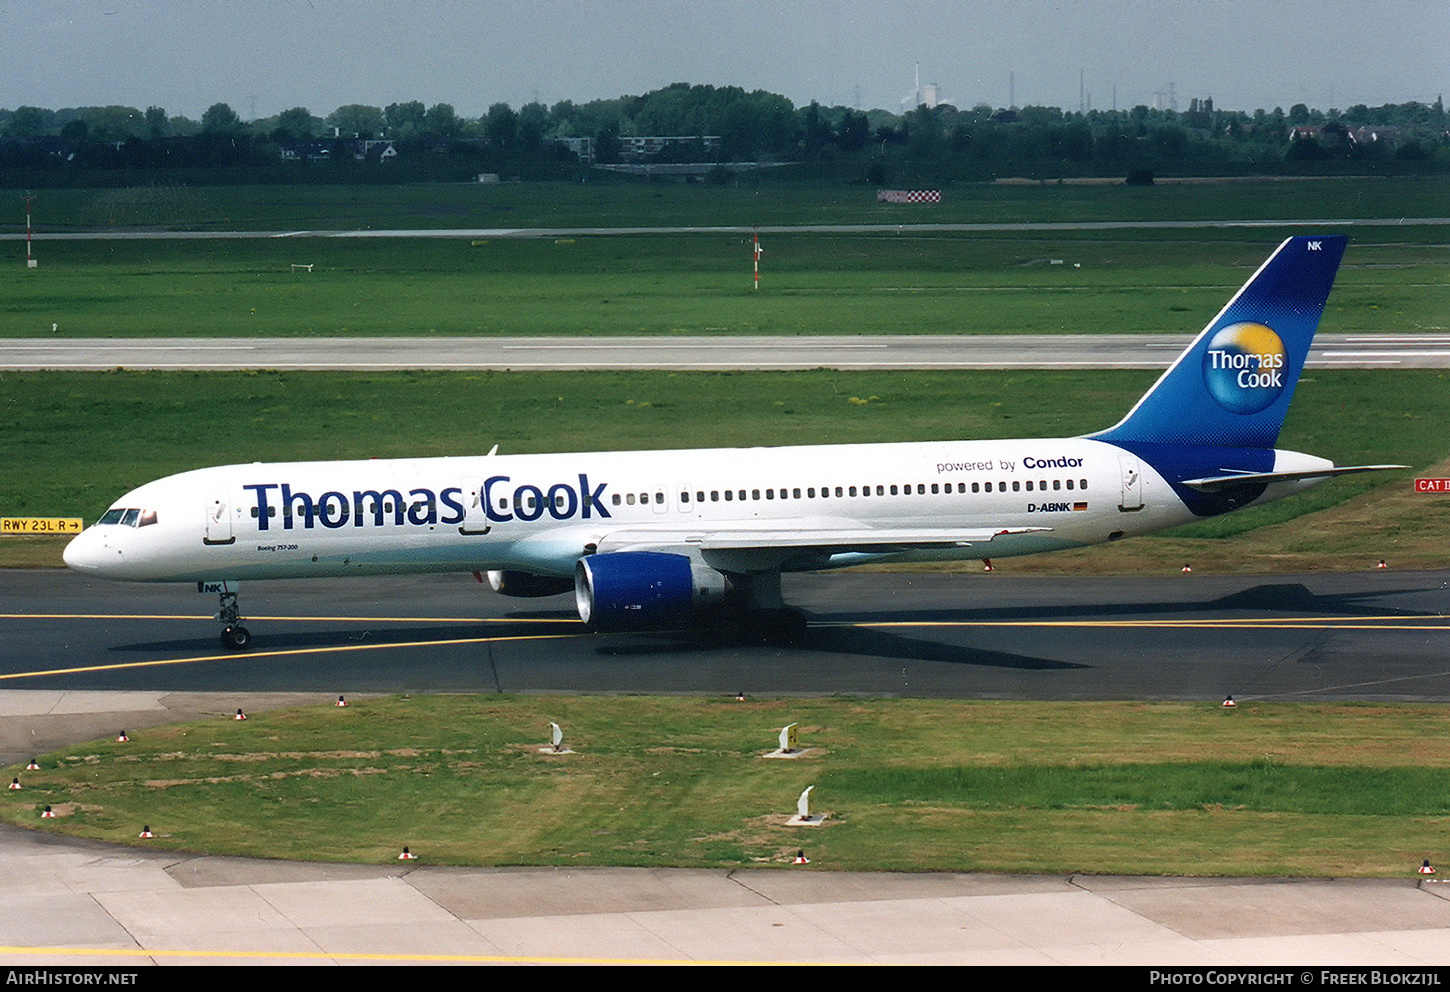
(643, 590)
(507, 582)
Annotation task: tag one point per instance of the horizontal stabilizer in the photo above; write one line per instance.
(1219, 483)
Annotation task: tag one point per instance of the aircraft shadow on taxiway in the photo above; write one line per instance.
(850, 633)
(846, 633)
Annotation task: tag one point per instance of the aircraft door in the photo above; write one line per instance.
(475, 513)
(1132, 474)
(218, 518)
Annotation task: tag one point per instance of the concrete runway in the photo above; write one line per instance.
(702, 353)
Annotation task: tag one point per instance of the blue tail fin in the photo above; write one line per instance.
(1233, 385)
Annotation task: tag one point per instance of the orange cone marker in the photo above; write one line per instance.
(240, 715)
(15, 784)
(1186, 569)
(407, 855)
(1425, 868)
(47, 814)
(32, 767)
(146, 831)
(1229, 703)
(341, 701)
(801, 859)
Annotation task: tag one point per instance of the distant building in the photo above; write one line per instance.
(365, 148)
(1371, 134)
(638, 149)
(583, 148)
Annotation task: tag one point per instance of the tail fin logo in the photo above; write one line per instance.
(1243, 367)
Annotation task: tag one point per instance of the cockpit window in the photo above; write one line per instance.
(128, 517)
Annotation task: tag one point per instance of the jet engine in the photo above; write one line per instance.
(507, 582)
(643, 590)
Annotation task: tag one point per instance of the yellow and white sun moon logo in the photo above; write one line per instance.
(1244, 367)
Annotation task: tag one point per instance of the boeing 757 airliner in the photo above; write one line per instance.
(652, 539)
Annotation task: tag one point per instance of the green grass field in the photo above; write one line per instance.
(1098, 788)
(765, 198)
(690, 284)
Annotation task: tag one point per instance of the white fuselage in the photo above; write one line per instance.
(541, 513)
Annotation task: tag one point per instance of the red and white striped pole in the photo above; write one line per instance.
(757, 258)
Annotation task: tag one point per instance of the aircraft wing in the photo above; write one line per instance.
(835, 539)
(1218, 483)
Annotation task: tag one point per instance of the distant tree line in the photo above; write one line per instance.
(410, 141)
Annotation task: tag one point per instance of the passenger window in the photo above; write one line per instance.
(729, 495)
(1056, 484)
(1082, 483)
(629, 499)
(1016, 486)
(795, 494)
(933, 489)
(1029, 485)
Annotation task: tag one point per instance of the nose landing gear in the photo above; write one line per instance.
(235, 637)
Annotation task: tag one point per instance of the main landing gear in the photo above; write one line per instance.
(235, 637)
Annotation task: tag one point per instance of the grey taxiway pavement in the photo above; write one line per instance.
(705, 353)
(1376, 634)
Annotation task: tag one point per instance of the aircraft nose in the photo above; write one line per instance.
(87, 552)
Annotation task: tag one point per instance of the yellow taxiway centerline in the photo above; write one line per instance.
(252, 655)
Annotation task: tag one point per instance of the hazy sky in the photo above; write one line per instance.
(264, 56)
